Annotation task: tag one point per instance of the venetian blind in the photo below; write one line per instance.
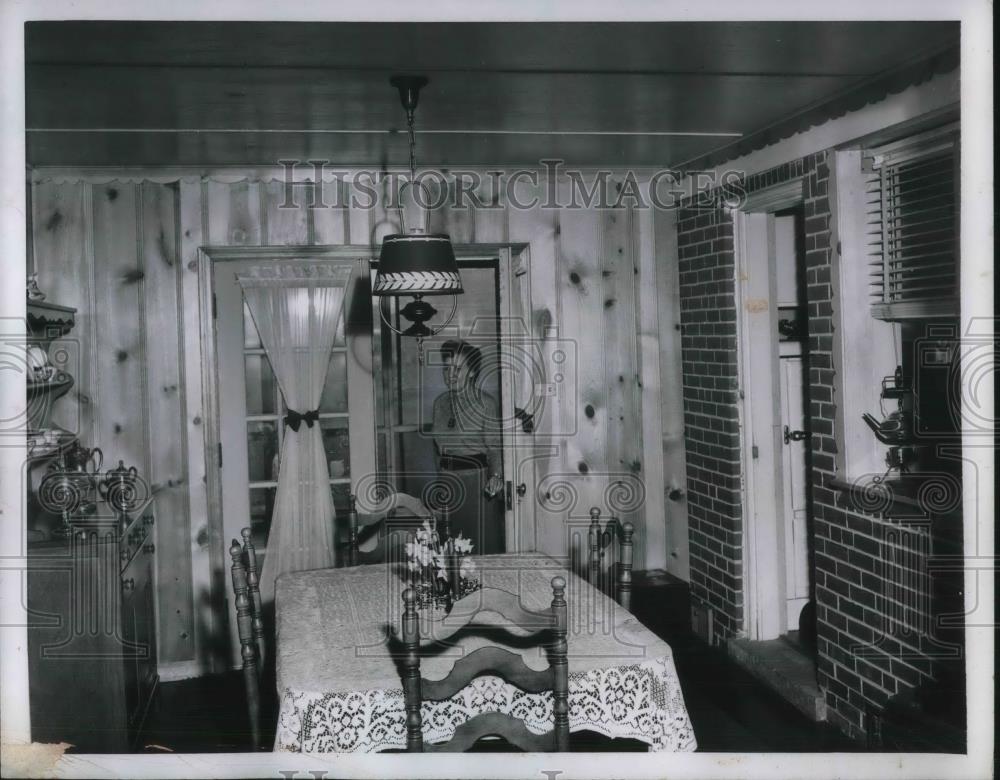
(912, 226)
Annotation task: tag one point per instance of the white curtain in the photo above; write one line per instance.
(296, 308)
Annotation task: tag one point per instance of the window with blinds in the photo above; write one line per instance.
(912, 210)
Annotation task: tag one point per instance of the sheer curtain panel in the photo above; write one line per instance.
(296, 308)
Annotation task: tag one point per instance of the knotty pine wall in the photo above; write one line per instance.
(123, 249)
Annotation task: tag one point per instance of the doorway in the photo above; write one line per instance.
(489, 318)
(245, 408)
(774, 371)
(793, 387)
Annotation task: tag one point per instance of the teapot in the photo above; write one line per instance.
(63, 489)
(893, 430)
(118, 486)
(79, 458)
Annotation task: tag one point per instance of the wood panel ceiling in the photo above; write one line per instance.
(508, 94)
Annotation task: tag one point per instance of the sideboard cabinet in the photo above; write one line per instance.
(91, 634)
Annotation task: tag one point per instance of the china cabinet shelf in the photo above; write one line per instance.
(47, 321)
(40, 453)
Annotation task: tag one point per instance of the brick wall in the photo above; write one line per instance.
(708, 354)
(873, 592)
(873, 625)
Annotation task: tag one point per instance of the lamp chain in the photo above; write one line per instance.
(413, 168)
(413, 146)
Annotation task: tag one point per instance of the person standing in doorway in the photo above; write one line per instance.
(467, 438)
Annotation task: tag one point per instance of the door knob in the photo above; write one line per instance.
(522, 489)
(128, 585)
(795, 435)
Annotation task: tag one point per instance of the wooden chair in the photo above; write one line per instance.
(551, 627)
(398, 516)
(597, 542)
(250, 625)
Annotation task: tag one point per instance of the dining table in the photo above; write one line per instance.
(338, 672)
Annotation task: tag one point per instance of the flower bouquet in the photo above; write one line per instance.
(441, 572)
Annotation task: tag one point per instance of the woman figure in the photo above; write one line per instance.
(467, 438)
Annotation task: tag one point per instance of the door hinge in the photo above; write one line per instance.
(215, 307)
(219, 453)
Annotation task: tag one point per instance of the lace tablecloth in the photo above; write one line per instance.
(341, 691)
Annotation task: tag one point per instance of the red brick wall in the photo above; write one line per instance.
(871, 583)
(708, 350)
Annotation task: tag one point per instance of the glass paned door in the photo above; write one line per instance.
(251, 410)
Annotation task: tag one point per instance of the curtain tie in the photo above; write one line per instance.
(294, 419)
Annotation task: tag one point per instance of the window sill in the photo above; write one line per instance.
(913, 496)
(915, 310)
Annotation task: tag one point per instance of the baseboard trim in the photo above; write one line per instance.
(180, 670)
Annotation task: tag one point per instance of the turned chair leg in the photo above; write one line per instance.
(624, 579)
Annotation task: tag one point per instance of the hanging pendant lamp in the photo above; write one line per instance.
(415, 263)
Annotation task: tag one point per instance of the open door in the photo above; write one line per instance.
(490, 316)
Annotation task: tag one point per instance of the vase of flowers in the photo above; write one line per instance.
(440, 570)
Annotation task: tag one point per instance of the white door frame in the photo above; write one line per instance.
(759, 410)
(362, 403)
(519, 383)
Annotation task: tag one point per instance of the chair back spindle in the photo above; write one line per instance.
(352, 525)
(596, 542)
(253, 586)
(594, 548)
(248, 651)
(444, 525)
(397, 513)
(624, 579)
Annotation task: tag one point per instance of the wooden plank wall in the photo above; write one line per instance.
(63, 259)
(138, 296)
(110, 250)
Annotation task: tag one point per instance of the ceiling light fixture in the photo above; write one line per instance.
(416, 263)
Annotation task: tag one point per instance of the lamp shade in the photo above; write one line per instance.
(417, 264)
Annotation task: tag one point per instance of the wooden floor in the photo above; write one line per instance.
(730, 710)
